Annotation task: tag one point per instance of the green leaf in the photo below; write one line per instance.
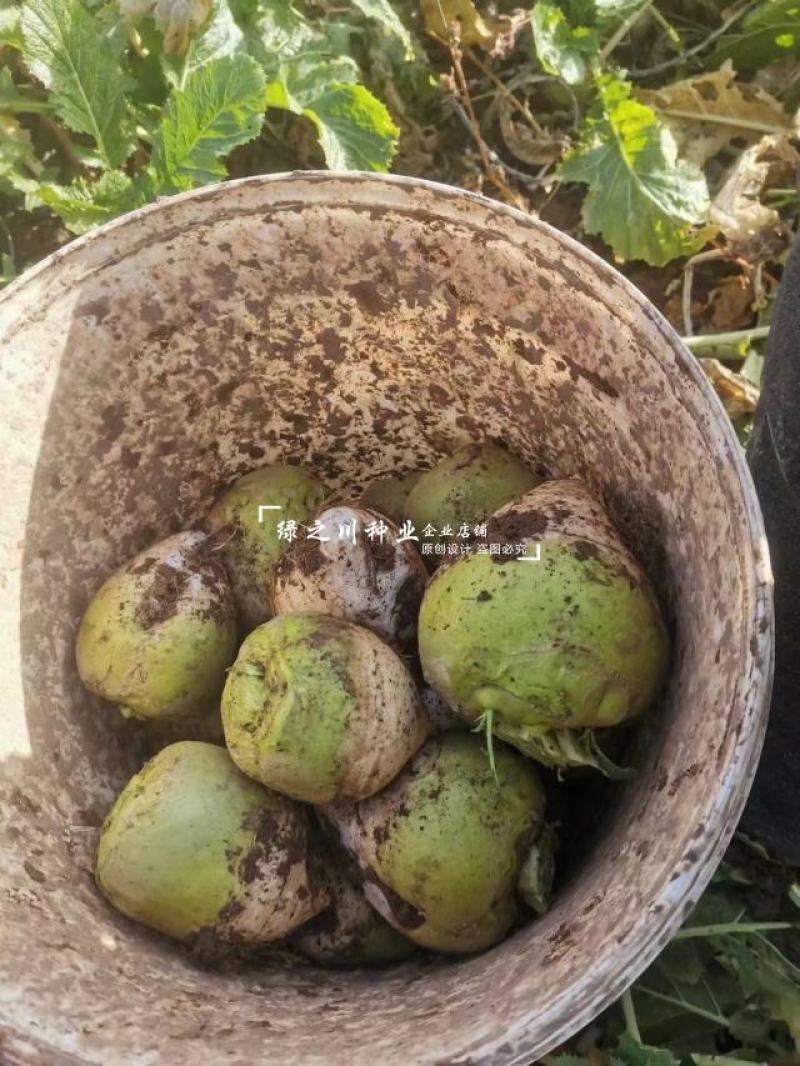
(770, 32)
(683, 962)
(563, 48)
(220, 37)
(66, 49)
(643, 201)
(18, 162)
(10, 28)
(13, 102)
(382, 12)
(567, 34)
(355, 129)
(220, 106)
(611, 13)
(306, 77)
(630, 1052)
(721, 1060)
(8, 268)
(84, 204)
(274, 32)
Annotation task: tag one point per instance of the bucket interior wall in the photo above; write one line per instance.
(356, 327)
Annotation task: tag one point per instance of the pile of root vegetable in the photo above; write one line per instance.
(386, 722)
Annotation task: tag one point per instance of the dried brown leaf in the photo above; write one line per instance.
(707, 112)
(536, 125)
(736, 208)
(460, 21)
(534, 146)
(732, 303)
(177, 19)
(739, 396)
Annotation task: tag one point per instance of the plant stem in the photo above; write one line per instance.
(623, 30)
(688, 281)
(645, 72)
(683, 1004)
(522, 107)
(726, 340)
(723, 120)
(629, 1012)
(672, 34)
(731, 928)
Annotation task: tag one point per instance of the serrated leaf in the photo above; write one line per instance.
(274, 32)
(563, 48)
(630, 1052)
(219, 37)
(84, 204)
(382, 12)
(769, 33)
(641, 199)
(220, 106)
(66, 49)
(705, 113)
(355, 130)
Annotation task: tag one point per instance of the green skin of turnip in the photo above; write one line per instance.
(159, 634)
(319, 708)
(389, 495)
(254, 546)
(193, 847)
(544, 652)
(349, 932)
(441, 850)
(467, 487)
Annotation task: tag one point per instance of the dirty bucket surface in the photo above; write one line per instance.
(360, 326)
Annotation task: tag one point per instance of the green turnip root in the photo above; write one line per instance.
(198, 851)
(320, 709)
(448, 847)
(159, 634)
(545, 652)
(388, 495)
(254, 545)
(467, 487)
(367, 576)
